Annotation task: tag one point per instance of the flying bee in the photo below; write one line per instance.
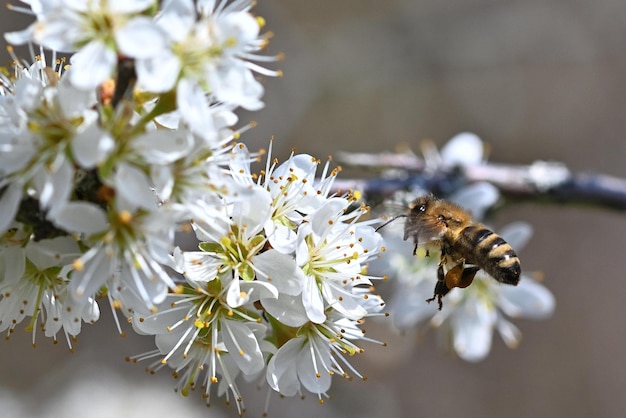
(466, 246)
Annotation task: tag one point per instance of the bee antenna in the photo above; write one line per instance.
(404, 215)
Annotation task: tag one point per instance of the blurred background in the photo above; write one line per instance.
(535, 80)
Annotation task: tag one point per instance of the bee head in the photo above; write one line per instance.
(422, 222)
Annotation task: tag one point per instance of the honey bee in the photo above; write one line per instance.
(466, 246)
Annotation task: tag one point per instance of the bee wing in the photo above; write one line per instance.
(389, 209)
(422, 230)
(389, 212)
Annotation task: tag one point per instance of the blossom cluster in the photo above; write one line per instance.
(104, 160)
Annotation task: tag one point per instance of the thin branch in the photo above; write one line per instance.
(543, 181)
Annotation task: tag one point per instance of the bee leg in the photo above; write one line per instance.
(416, 242)
(468, 276)
(460, 276)
(440, 287)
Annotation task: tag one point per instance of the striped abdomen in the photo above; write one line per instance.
(490, 252)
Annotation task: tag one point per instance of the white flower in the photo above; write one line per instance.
(198, 330)
(332, 251)
(34, 282)
(40, 117)
(210, 52)
(129, 252)
(294, 190)
(98, 30)
(314, 356)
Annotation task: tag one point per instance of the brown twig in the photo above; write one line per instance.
(541, 181)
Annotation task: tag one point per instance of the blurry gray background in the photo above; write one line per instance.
(534, 79)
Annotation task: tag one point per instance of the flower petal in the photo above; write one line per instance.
(289, 310)
(281, 372)
(140, 38)
(473, 328)
(281, 271)
(82, 217)
(243, 346)
(528, 299)
(92, 65)
(465, 149)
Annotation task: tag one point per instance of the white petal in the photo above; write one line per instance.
(343, 302)
(92, 146)
(177, 18)
(281, 372)
(134, 186)
(54, 187)
(158, 74)
(239, 163)
(59, 35)
(129, 6)
(194, 109)
(509, 333)
(254, 211)
(301, 166)
(243, 346)
(283, 238)
(313, 302)
(169, 120)
(75, 102)
(141, 38)
(241, 292)
(52, 252)
(325, 217)
(311, 373)
(239, 27)
(28, 93)
(237, 85)
(517, 234)
(477, 198)
(163, 178)
(200, 267)
(473, 328)
(256, 290)
(159, 322)
(82, 217)
(162, 146)
(9, 203)
(464, 149)
(281, 271)
(87, 281)
(408, 304)
(14, 265)
(20, 37)
(92, 65)
(91, 311)
(528, 299)
(289, 310)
